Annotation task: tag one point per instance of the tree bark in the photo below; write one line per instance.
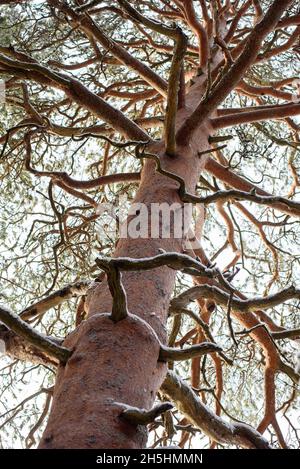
(117, 363)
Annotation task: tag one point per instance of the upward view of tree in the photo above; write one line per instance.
(113, 334)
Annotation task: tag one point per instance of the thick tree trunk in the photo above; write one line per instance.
(117, 363)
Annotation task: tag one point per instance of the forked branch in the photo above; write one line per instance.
(229, 81)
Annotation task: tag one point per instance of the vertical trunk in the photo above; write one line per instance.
(117, 363)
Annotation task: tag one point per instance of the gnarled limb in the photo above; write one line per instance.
(137, 416)
(202, 417)
(35, 338)
(227, 176)
(244, 306)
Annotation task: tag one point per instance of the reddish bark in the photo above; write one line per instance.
(116, 364)
(125, 352)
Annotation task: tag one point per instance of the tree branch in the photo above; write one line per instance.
(236, 71)
(261, 197)
(244, 306)
(181, 41)
(73, 290)
(42, 342)
(173, 354)
(189, 404)
(276, 112)
(286, 334)
(66, 180)
(225, 175)
(204, 326)
(171, 259)
(137, 416)
(18, 348)
(86, 24)
(173, 92)
(78, 92)
(118, 293)
(200, 32)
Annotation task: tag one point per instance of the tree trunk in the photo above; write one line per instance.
(117, 363)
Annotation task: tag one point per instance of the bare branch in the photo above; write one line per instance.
(17, 348)
(42, 342)
(204, 326)
(73, 290)
(172, 354)
(175, 71)
(227, 176)
(118, 293)
(289, 371)
(86, 23)
(200, 32)
(137, 416)
(275, 112)
(173, 260)
(173, 91)
(236, 71)
(287, 334)
(203, 418)
(281, 203)
(244, 306)
(78, 92)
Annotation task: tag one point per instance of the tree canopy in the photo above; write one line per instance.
(85, 82)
